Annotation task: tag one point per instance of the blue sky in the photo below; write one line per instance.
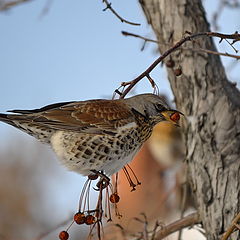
(76, 52)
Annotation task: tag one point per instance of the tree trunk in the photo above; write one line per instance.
(211, 105)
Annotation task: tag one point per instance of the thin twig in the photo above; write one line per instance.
(138, 36)
(46, 8)
(43, 235)
(156, 226)
(8, 5)
(214, 52)
(232, 227)
(187, 221)
(183, 206)
(131, 84)
(222, 5)
(184, 48)
(109, 6)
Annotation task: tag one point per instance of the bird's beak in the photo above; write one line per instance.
(172, 116)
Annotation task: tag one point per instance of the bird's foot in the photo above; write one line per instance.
(103, 182)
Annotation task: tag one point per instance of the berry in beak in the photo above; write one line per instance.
(172, 116)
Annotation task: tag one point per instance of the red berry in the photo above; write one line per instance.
(170, 63)
(63, 235)
(177, 72)
(79, 218)
(92, 176)
(175, 117)
(89, 219)
(114, 198)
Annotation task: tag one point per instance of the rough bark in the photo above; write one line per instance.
(212, 107)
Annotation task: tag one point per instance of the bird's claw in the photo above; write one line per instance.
(103, 182)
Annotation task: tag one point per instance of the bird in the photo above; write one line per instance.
(96, 135)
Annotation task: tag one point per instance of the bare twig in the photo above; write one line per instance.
(8, 5)
(183, 206)
(43, 235)
(215, 53)
(232, 227)
(156, 226)
(187, 221)
(235, 37)
(109, 6)
(46, 8)
(183, 48)
(222, 5)
(139, 36)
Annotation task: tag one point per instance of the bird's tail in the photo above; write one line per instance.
(21, 122)
(4, 118)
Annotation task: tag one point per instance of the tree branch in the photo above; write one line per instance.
(222, 5)
(235, 37)
(43, 235)
(232, 227)
(187, 221)
(139, 36)
(109, 6)
(184, 48)
(8, 5)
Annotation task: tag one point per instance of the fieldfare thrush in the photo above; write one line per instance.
(95, 135)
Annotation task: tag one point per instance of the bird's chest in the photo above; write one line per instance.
(131, 138)
(83, 152)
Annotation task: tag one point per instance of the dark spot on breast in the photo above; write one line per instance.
(80, 148)
(116, 152)
(106, 150)
(101, 147)
(121, 146)
(88, 152)
(94, 143)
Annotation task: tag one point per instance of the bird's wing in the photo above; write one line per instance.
(94, 116)
(39, 110)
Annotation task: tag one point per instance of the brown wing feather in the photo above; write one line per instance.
(88, 116)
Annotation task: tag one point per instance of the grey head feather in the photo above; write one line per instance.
(147, 104)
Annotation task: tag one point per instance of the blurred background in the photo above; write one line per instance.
(54, 51)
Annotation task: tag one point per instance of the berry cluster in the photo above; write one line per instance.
(81, 218)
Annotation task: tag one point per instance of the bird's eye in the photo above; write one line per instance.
(160, 107)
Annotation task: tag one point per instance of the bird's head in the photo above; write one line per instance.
(155, 107)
